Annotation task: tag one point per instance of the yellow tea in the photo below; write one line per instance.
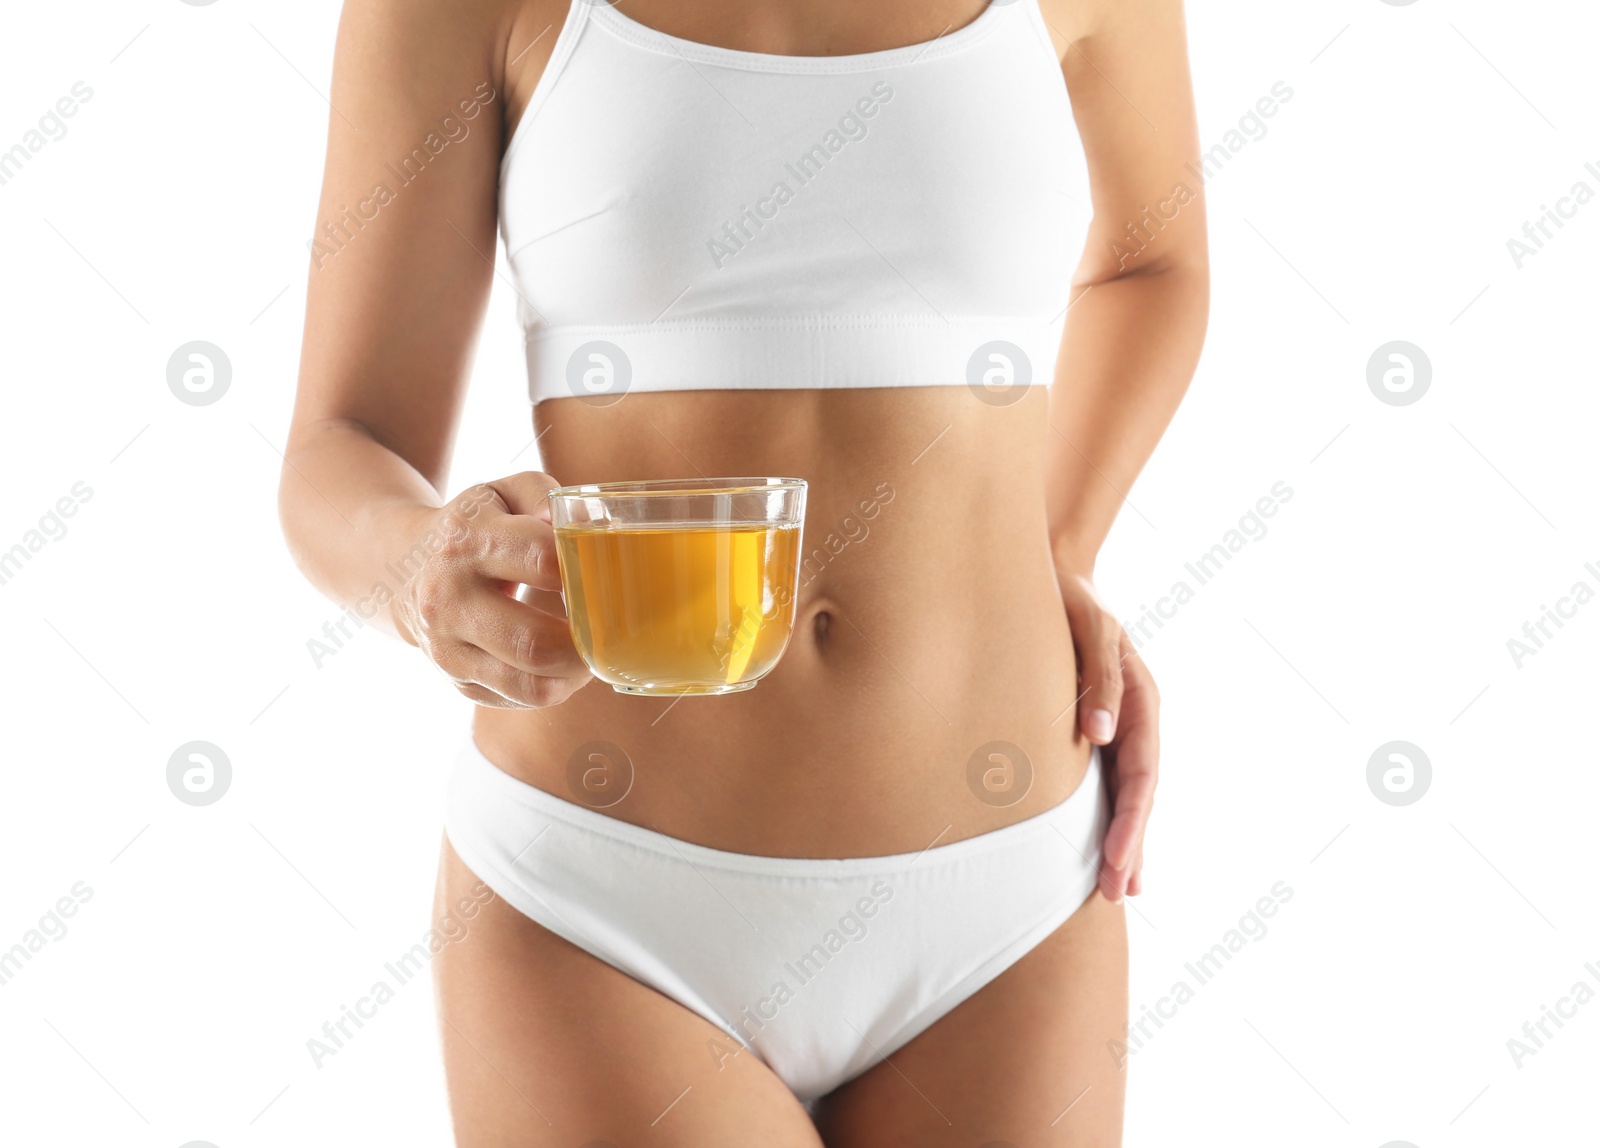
(680, 609)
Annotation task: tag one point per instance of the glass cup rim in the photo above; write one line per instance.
(660, 487)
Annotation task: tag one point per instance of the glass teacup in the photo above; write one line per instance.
(684, 586)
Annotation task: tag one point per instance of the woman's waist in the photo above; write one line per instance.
(884, 723)
(958, 456)
(927, 626)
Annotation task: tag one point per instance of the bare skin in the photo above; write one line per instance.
(966, 613)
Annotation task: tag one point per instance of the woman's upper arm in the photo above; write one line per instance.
(405, 229)
(1126, 65)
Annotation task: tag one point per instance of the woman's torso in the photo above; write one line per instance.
(928, 692)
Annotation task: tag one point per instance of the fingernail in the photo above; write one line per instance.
(1102, 724)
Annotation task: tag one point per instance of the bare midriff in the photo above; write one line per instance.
(928, 626)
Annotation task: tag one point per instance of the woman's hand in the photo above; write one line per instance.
(1117, 709)
(501, 647)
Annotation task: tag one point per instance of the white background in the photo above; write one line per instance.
(1418, 540)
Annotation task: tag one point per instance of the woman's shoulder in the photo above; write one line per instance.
(1075, 21)
(497, 40)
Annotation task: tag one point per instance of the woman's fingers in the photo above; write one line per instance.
(483, 599)
(489, 681)
(1133, 774)
(1118, 710)
(1135, 793)
(481, 636)
(1097, 635)
(502, 529)
(520, 635)
(526, 493)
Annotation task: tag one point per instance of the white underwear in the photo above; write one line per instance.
(821, 967)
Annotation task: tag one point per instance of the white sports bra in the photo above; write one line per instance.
(680, 216)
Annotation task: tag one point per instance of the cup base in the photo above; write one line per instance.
(683, 691)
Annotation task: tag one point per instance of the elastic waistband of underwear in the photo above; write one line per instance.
(475, 770)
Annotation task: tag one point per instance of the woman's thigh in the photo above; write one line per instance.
(1025, 1061)
(545, 1045)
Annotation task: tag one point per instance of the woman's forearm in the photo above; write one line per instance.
(1129, 351)
(358, 518)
